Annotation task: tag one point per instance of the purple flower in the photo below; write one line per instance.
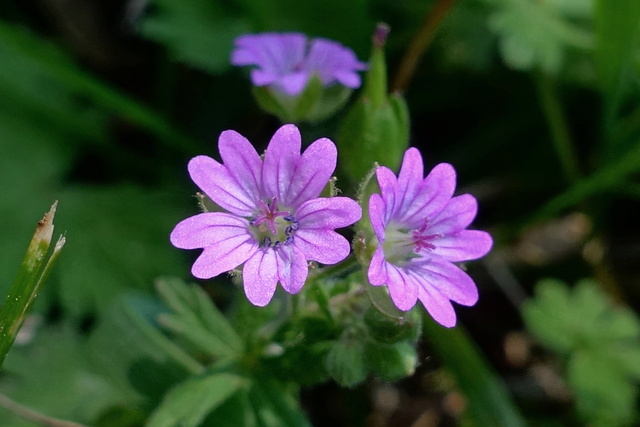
(288, 60)
(274, 221)
(421, 230)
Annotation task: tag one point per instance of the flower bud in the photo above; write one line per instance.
(376, 127)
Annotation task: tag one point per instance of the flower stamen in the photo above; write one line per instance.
(273, 227)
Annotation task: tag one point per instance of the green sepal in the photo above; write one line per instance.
(370, 134)
(387, 329)
(315, 103)
(391, 362)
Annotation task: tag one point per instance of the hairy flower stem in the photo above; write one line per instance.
(419, 44)
(557, 126)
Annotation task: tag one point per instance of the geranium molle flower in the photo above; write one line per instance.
(421, 230)
(274, 221)
(287, 61)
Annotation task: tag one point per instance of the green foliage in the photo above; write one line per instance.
(188, 403)
(199, 33)
(54, 374)
(600, 342)
(197, 320)
(535, 34)
(345, 361)
(116, 245)
(617, 28)
(391, 362)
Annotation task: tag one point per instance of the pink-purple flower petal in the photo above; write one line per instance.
(438, 306)
(312, 172)
(330, 213)
(402, 289)
(448, 279)
(456, 216)
(377, 272)
(206, 229)
(388, 184)
(377, 213)
(322, 245)
(410, 176)
(431, 197)
(292, 268)
(260, 277)
(465, 245)
(214, 179)
(224, 256)
(242, 161)
(287, 61)
(280, 161)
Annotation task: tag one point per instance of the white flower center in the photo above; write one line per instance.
(401, 244)
(273, 227)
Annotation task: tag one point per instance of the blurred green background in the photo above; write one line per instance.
(102, 103)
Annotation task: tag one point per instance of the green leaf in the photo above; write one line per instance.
(617, 25)
(130, 349)
(120, 242)
(54, 375)
(41, 73)
(549, 315)
(601, 342)
(275, 405)
(188, 403)
(234, 412)
(33, 271)
(606, 178)
(197, 32)
(197, 319)
(604, 396)
(346, 361)
(534, 35)
(489, 403)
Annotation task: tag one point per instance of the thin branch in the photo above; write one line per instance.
(419, 44)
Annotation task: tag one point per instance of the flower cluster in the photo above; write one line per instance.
(274, 222)
(286, 61)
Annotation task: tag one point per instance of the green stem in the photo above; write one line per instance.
(33, 416)
(562, 143)
(337, 270)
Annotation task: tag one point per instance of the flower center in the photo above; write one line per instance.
(273, 227)
(402, 244)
